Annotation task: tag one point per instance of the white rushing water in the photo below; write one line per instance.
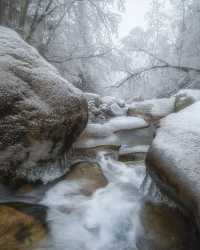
(107, 220)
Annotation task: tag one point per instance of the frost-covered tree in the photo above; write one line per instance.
(165, 56)
(75, 35)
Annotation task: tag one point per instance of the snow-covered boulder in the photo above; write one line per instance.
(154, 109)
(104, 108)
(110, 100)
(93, 98)
(186, 97)
(41, 114)
(116, 110)
(174, 158)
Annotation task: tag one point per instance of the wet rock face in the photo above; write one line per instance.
(174, 158)
(165, 228)
(21, 226)
(41, 114)
(137, 153)
(89, 175)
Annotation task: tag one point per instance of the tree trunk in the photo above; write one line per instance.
(2, 12)
(24, 5)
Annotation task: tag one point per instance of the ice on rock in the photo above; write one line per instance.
(126, 123)
(95, 142)
(114, 125)
(109, 133)
(135, 149)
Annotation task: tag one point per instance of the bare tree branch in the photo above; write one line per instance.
(56, 26)
(130, 76)
(38, 18)
(67, 59)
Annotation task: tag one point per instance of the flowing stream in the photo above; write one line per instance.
(122, 215)
(109, 219)
(112, 218)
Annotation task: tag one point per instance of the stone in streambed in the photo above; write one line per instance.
(89, 175)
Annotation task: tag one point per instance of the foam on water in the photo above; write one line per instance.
(109, 219)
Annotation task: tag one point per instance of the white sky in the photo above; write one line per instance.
(134, 16)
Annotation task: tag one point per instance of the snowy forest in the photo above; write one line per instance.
(99, 124)
(81, 39)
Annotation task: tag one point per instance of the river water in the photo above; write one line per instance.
(126, 214)
(109, 219)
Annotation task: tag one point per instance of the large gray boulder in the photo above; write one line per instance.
(41, 114)
(174, 158)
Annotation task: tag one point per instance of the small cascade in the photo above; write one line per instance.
(108, 219)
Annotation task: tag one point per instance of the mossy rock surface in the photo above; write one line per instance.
(183, 102)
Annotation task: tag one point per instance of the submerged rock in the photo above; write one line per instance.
(41, 114)
(89, 175)
(174, 158)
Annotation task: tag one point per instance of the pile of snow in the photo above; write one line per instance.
(135, 149)
(116, 110)
(103, 108)
(111, 140)
(187, 120)
(115, 132)
(156, 108)
(110, 100)
(114, 125)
